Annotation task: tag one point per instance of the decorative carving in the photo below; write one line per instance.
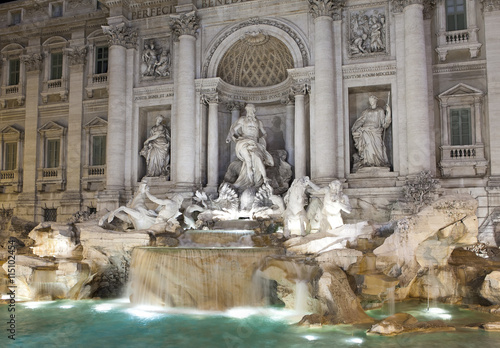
(185, 24)
(120, 34)
(399, 5)
(368, 136)
(300, 88)
(491, 5)
(371, 71)
(156, 150)
(330, 8)
(257, 60)
(367, 32)
(77, 55)
(156, 59)
(234, 105)
(257, 21)
(210, 98)
(32, 62)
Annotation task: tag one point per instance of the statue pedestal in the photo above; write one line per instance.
(372, 177)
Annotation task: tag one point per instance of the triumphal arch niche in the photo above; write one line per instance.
(261, 61)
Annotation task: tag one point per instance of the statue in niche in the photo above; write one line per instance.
(249, 135)
(367, 33)
(156, 150)
(325, 214)
(368, 133)
(280, 173)
(157, 60)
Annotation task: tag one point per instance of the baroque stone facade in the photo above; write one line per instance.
(83, 84)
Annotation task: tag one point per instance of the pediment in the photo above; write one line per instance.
(51, 127)
(97, 122)
(11, 130)
(461, 89)
(12, 47)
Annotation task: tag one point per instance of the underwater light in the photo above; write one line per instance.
(34, 305)
(436, 310)
(66, 306)
(310, 337)
(240, 313)
(103, 307)
(142, 312)
(356, 340)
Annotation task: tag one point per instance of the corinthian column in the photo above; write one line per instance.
(323, 158)
(417, 88)
(184, 26)
(120, 36)
(300, 137)
(213, 139)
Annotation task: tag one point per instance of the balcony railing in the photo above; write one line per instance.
(52, 84)
(458, 40)
(462, 152)
(99, 78)
(9, 175)
(12, 91)
(96, 171)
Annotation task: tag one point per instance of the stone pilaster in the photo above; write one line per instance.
(491, 14)
(27, 200)
(417, 88)
(120, 37)
(213, 139)
(184, 27)
(76, 58)
(323, 159)
(300, 136)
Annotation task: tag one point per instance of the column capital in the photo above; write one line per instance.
(77, 55)
(210, 98)
(32, 62)
(328, 8)
(399, 5)
(120, 34)
(185, 24)
(490, 5)
(232, 105)
(300, 89)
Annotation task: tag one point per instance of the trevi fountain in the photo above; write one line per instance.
(266, 261)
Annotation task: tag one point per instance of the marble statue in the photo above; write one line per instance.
(328, 213)
(156, 150)
(134, 212)
(162, 66)
(295, 217)
(249, 135)
(368, 135)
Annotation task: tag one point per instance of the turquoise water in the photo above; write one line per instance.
(119, 324)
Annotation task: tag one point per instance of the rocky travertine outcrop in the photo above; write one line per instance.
(400, 323)
(490, 289)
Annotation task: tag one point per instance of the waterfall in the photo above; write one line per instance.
(204, 278)
(391, 301)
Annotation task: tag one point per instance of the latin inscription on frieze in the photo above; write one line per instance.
(214, 3)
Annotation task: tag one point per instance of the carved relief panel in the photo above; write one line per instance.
(156, 58)
(368, 32)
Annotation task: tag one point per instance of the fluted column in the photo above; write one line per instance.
(491, 10)
(300, 141)
(120, 37)
(235, 108)
(184, 26)
(290, 129)
(213, 139)
(323, 159)
(417, 89)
